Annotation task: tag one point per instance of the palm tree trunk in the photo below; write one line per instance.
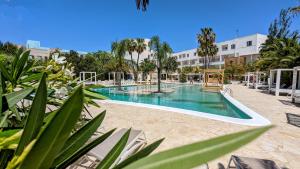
(119, 80)
(158, 79)
(137, 68)
(206, 61)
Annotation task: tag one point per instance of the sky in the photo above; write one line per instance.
(91, 25)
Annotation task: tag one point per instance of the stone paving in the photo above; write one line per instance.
(281, 144)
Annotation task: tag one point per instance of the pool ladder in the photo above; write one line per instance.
(228, 90)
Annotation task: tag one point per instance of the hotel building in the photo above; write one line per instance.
(240, 50)
(43, 53)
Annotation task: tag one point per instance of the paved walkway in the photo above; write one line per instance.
(281, 144)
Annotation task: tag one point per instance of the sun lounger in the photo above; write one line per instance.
(251, 163)
(135, 141)
(293, 119)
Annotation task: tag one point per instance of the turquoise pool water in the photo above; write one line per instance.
(190, 97)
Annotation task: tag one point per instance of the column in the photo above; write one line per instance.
(278, 76)
(248, 79)
(83, 76)
(294, 83)
(114, 78)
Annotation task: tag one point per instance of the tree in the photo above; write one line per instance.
(281, 49)
(207, 46)
(140, 48)
(296, 9)
(234, 71)
(119, 49)
(283, 53)
(131, 47)
(148, 66)
(142, 4)
(170, 65)
(161, 52)
(74, 58)
(9, 48)
(88, 63)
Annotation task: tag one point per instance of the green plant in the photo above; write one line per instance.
(19, 71)
(182, 78)
(50, 141)
(207, 46)
(196, 154)
(161, 51)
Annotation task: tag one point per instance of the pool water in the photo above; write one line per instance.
(189, 97)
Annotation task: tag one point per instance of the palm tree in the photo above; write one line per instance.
(142, 4)
(161, 52)
(140, 48)
(131, 47)
(170, 65)
(119, 50)
(207, 46)
(148, 66)
(282, 53)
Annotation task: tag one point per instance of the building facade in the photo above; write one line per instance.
(240, 50)
(43, 53)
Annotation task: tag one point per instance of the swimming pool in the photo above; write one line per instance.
(187, 97)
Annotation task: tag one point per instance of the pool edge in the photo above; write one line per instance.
(256, 119)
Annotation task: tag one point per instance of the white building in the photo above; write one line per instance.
(43, 53)
(246, 47)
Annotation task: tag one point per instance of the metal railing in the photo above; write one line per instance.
(228, 90)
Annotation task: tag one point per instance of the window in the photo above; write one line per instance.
(249, 43)
(187, 55)
(179, 56)
(183, 55)
(195, 54)
(233, 46)
(192, 62)
(224, 47)
(185, 62)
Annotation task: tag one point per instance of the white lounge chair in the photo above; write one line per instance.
(296, 98)
(135, 141)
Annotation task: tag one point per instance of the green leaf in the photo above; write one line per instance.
(7, 133)
(79, 138)
(3, 122)
(5, 156)
(35, 118)
(196, 154)
(83, 150)
(94, 95)
(1, 94)
(139, 155)
(5, 73)
(14, 97)
(114, 153)
(11, 141)
(32, 77)
(20, 65)
(55, 134)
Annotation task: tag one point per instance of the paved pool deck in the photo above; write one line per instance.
(281, 144)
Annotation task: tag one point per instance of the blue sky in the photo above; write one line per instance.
(90, 25)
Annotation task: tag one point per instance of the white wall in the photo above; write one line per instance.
(241, 49)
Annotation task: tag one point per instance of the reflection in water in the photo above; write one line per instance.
(189, 97)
